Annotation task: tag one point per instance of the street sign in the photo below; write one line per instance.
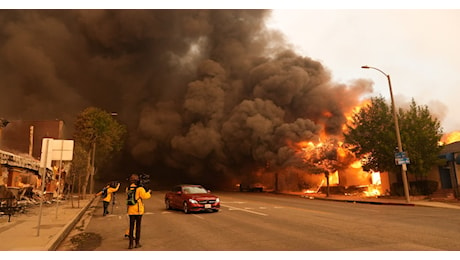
(401, 158)
(402, 161)
(399, 155)
(62, 150)
(46, 154)
(53, 150)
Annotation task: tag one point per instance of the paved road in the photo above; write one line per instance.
(261, 222)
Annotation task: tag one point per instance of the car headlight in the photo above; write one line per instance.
(193, 201)
(217, 200)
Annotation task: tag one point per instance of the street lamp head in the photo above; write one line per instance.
(369, 67)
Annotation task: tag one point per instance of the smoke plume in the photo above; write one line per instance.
(206, 94)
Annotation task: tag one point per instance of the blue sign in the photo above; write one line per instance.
(400, 155)
(401, 158)
(401, 161)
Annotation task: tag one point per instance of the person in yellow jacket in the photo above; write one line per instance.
(136, 211)
(108, 190)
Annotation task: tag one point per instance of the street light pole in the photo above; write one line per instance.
(93, 158)
(398, 135)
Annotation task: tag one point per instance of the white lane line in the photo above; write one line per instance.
(245, 210)
(200, 217)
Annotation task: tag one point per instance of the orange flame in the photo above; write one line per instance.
(355, 110)
(368, 180)
(327, 114)
(356, 165)
(451, 137)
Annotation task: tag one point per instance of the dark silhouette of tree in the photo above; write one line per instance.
(100, 136)
(324, 159)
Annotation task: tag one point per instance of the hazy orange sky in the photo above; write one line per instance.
(417, 48)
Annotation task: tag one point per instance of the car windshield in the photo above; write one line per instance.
(194, 190)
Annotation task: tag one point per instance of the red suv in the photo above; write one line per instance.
(191, 198)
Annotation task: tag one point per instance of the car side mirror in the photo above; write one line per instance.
(179, 192)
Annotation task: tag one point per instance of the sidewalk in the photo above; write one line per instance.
(57, 220)
(21, 233)
(413, 201)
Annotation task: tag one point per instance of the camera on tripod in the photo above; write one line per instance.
(144, 179)
(113, 184)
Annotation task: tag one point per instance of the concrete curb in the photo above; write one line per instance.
(54, 243)
(363, 201)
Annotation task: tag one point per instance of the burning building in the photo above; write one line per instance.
(209, 96)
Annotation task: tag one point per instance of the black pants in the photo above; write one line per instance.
(106, 206)
(134, 222)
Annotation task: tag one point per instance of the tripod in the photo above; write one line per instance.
(113, 201)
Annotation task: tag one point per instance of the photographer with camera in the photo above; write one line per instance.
(106, 195)
(136, 193)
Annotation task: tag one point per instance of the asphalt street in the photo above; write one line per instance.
(24, 233)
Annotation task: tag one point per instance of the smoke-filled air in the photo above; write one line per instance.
(206, 94)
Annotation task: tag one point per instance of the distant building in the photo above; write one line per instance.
(25, 137)
(448, 174)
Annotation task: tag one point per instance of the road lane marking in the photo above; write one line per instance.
(245, 210)
(277, 207)
(236, 202)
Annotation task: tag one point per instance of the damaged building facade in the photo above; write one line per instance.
(20, 150)
(18, 172)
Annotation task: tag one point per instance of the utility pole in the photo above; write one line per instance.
(398, 134)
(91, 185)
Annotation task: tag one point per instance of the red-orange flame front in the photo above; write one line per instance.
(451, 137)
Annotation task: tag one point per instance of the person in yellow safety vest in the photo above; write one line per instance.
(136, 210)
(109, 189)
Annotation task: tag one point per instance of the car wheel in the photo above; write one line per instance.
(215, 210)
(186, 211)
(168, 204)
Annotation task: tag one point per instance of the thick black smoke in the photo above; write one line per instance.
(204, 93)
